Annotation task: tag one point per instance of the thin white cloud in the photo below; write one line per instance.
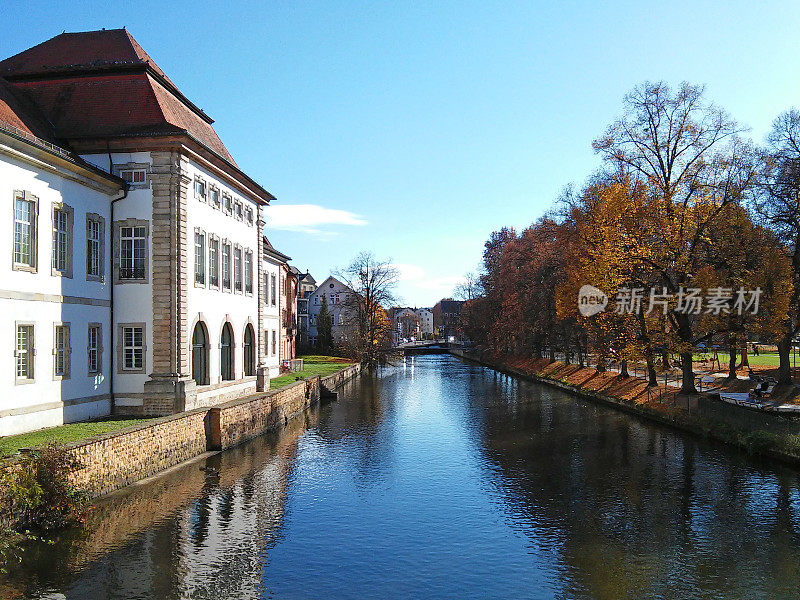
(417, 277)
(311, 219)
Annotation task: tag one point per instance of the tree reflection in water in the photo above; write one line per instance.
(442, 479)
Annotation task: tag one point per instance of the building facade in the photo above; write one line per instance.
(338, 297)
(56, 292)
(446, 314)
(425, 316)
(274, 303)
(137, 182)
(306, 285)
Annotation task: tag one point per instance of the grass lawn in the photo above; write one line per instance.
(764, 359)
(312, 365)
(62, 435)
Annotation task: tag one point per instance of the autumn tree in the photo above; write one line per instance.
(688, 155)
(778, 205)
(373, 282)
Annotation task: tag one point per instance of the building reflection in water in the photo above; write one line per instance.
(444, 479)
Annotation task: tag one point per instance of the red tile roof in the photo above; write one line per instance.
(83, 51)
(101, 84)
(19, 114)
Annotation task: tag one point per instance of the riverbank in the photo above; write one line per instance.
(761, 433)
(111, 461)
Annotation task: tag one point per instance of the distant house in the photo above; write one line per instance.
(306, 285)
(446, 315)
(405, 324)
(273, 302)
(339, 299)
(425, 316)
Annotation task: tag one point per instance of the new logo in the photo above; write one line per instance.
(591, 300)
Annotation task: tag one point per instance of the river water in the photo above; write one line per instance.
(442, 479)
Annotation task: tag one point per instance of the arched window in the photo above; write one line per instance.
(249, 351)
(226, 353)
(200, 354)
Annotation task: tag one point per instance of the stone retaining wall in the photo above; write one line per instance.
(111, 461)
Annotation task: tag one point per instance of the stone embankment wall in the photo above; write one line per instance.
(114, 460)
(759, 432)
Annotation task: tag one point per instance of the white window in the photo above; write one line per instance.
(213, 197)
(227, 203)
(273, 288)
(94, 246)
(274, 342)
(134, 176)
(237, 269)
(133, 252)
(199, 258)
(237, 207)
(61, 351)
(248, 272)
(248, 215)
(132, 347)
(200, 189)
(62, 240)
(226, 267)
(213, 262)
(94, 340)
(25, 209)
(24, 352)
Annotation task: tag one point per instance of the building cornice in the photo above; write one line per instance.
(59, 163)
(188, 145)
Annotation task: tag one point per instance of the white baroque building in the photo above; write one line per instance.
(135, 283)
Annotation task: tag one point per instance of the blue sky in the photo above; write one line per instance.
(414, 129)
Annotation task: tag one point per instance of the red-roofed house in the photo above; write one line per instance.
(183, 273)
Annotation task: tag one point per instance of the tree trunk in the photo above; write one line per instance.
(784, 368)
(732, 360)
(651, 368)
(745, 362)
(552, 354)
(665, 359)
(580, 355)
(623, 364)
(687, 379)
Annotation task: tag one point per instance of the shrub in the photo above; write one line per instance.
(36, 497)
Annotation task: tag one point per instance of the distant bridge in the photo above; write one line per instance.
(427, 347)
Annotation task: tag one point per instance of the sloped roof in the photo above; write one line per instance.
(81, 51)
(102, 84)
(20, 114)
(270, 250)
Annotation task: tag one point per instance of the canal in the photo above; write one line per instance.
(442, 479)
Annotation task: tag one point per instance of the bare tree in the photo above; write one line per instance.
(469, 288)
(373, 282)
(687, 153)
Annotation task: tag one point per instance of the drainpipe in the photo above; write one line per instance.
(112, 354)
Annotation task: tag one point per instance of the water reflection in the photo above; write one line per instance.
(442, 479)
